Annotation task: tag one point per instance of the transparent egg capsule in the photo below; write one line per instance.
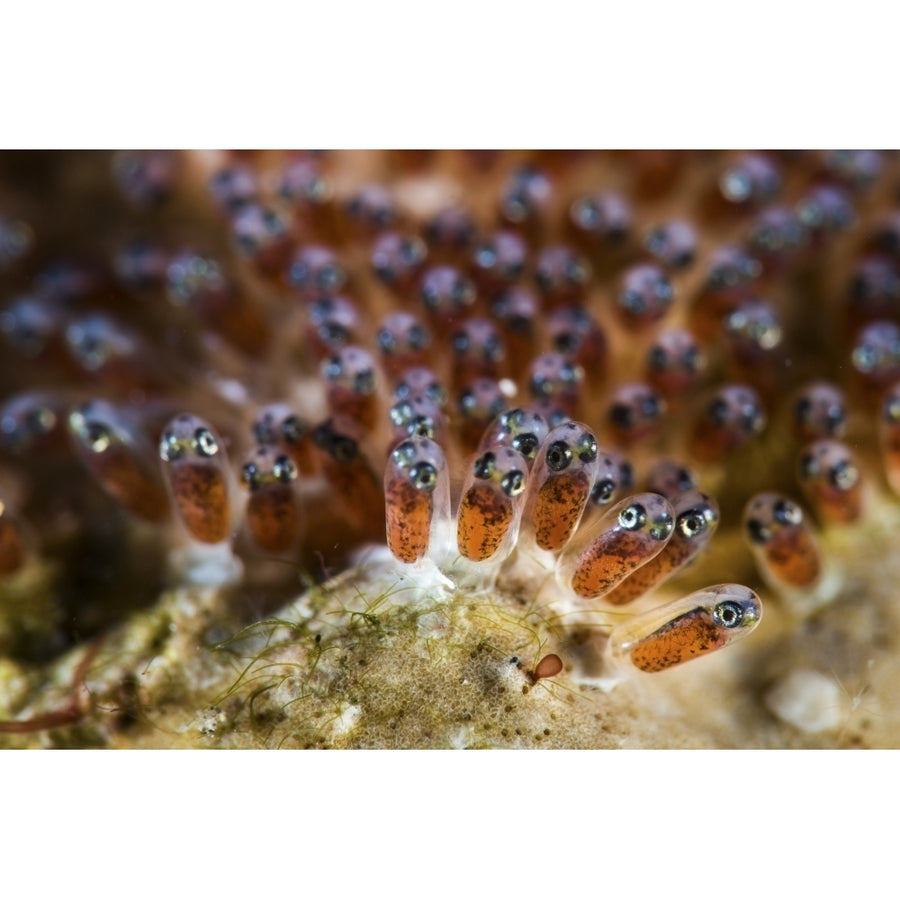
(628, 535)
(279, 425)
(199, 283)
(34, 328)
(635, 412)
(876, 358)
(451, 230)
(674, 363)
(858, 169)
(397, 259)
(498, 261)
(351, 382)
(316, 271)
(782, 541)
(696, 519)
(371, 209)
(873, 291)
(754, 334)
(670, 478)
(704, 621)
(777, 235)
(553, 376)
(33, 423)
(446, 294)
(601, 218)
(560, 484)
(561, 274)
(731, 268)
(576, 334)
(487, 520)
(523, 430)
(831, 481)
(614, 479)
(826, 209)
(196, 472)
(417, 498)
(819, 410)
(332, 323)
(263, 235)
(752, 179)
(673, 244)
(146, 177)
(141, 265)
(101, 346)
(478, 350)
(645, 296)
(339, 442)
(234, 186)
(303, 184)
(517, 311)
(273, 517)
(525, 197)
(479, 402)
(420, 417)
(115, 452)
(403, 341)
(733, 416)
(420, 381)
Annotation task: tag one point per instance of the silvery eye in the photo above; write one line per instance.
(728, 614)
(513, 483)
(205, 442)
(757, 531)
(843, 475)
(250, 476)
(169, 447)
(633, 517)
(559, 455)
(423, 476)
(787, 513)
(484, 465)
(692, 523)
(284, 469)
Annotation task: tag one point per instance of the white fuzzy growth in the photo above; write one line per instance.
(808, 700)
(346, 721)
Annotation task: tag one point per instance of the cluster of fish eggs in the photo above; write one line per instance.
(506, 366)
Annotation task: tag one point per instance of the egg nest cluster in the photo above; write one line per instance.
(525, 431)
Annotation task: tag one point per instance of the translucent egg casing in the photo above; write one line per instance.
(560, 485)
(732, 416)
(273, 517)
(488, 517)
(196, 471)
(521, 429)
(611, 548)
(692, 626)
(782, 541)
(117, 454)
(417, 497)
(352, 383)
(819, 411)
(278, 425)
(696, 519)
(831, 480)
(340, 444)
(670, 478)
